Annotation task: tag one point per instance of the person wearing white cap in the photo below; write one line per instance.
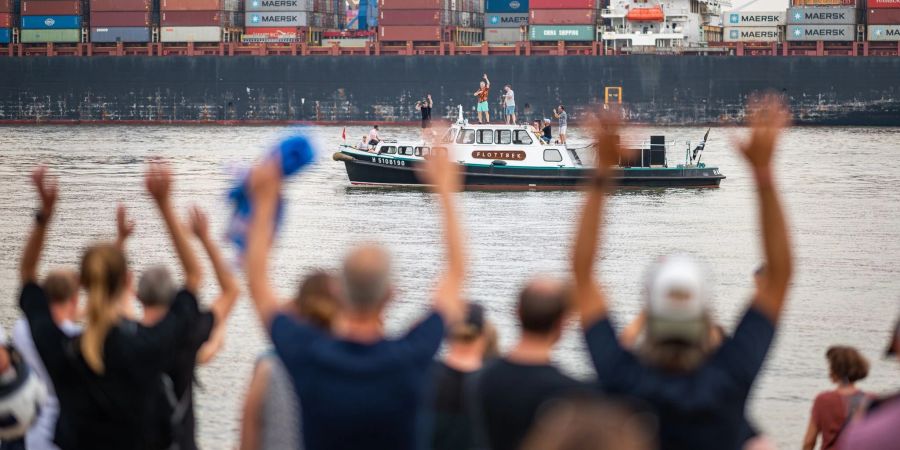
(698, 391)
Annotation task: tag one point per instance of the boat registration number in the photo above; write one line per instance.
(388, 161)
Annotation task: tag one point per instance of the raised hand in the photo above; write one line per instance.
(265, 180)
(605, 129)
(440, 173)
(124, 225)
(199, 224)
(159, 181)
(47, 188)
(767, 116)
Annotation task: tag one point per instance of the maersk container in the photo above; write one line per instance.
(190, 34)
(821, 33)
(56, 36)
(120, 5)
(753, 18)
(822, 15)
(50, 22)
(278, 5)
(751, 34)
(503, 35)
(887, 16)
(884, 32)
(505, 20)
(563, 17)
(126, 19)
(51, 8)
(276, 19)
(5, 35)
(120, 34)
(563, 4)
(506, 6)
(562, 32)
(883, 4)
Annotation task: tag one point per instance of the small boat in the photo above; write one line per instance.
(513, 157)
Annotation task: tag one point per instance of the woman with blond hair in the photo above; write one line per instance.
(108, 380)
(833, 410)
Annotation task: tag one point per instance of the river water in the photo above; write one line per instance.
(839, 185)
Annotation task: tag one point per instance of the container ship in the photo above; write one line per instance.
(354, 61)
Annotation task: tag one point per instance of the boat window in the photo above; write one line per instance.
(485, 136)
(423, 151)
(466, 137)
(522, 138)
(390, 150)
(408, 151)
(552, 155)
(449, 136)
(504, 137)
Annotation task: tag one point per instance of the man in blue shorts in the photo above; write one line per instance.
(509, 99)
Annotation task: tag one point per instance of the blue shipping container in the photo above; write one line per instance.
(123, 34)
(5, 35)
(506, 6)
(50, 22)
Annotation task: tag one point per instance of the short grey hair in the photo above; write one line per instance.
(156, 287)
(367, 280)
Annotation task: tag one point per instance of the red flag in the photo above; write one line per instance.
(344, 134)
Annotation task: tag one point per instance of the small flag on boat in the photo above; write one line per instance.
(344, 134)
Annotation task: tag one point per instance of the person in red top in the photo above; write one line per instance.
(832, 410)
(482, 93)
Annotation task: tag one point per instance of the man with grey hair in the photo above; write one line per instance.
(356, 387)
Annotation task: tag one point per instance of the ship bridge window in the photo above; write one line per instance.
(390, 150)
(522, 138)
(423, 151)
(552, 155)
(485, 136)
(504, 137)
(408, 151)
(466, 137)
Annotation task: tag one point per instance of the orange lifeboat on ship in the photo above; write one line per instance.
(654, 14)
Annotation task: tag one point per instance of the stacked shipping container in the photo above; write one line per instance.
(195, 20)
(120, 20)
(822, 23)
(753, 26)
(6, 21)
(563, 20)
(505, 21)
(883, 20)
(50, 21)
(425, 20)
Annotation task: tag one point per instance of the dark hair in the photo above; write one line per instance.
(60, 286)
(540, 310)
(375, 127)
(316, 300)
(562, 107)
(847, 364)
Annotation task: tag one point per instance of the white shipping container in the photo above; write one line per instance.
(279, 5)
(821, 33)
(503, 35)
(190, 34)
(884, 32)
(831, 15)
(276, 19)
(751, 34)
(753, 18)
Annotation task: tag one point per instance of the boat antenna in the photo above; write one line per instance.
(460, 120)
(698, 150)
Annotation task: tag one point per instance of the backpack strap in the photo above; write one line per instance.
(853, 405)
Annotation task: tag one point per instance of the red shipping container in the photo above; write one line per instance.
(191, 5)
(120, 19)
(51, 8)
(410, 17)
(6, 20)
(563, 17)
(191, 18)
(410, 4)
(885, 16)
(5, 6)
(409, 33)
(120, 5)
(562, 4)
(877, 4)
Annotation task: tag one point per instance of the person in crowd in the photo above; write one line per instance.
(563, 117)
(363, 143)
(509, 102)
(271, 415)
(469, 344)
(536, 127)
(484, 111)
(156, 290)
(590, 423)
(424, 107)
(357, 388)
(877, 429)
(374, 138)
(546, 132)
(833, 410)
(699, 396)
(509, 391)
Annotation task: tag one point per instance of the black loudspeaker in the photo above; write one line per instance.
(657, 151)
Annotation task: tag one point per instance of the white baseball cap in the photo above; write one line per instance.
(677, 298)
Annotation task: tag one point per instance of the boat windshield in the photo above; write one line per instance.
(466, 137)
(449, 136)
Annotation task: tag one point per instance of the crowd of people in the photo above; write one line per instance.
(119, 379)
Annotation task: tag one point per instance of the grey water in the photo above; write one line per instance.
(839, 187)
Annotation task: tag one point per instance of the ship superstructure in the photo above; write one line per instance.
(661, 26)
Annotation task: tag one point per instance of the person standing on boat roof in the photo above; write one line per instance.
(424, 106)
(374, 139)
(560, 113)
(482, 94)
(509, 100)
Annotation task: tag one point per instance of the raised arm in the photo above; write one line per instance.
(265, 184)
(487, 82)
(768, 117)
(589, 297)
(48, 191)
(223, 304)
(444, 178)
(159, 185)
(124, 227)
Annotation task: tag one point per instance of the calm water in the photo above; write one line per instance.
(840, 189)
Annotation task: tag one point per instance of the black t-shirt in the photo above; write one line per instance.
(452, 425)
(509, 396)
(426, 112)
(109, 411)
(547, 133)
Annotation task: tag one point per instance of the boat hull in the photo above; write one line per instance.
(376, 170)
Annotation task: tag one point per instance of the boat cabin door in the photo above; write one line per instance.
(612, 95)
